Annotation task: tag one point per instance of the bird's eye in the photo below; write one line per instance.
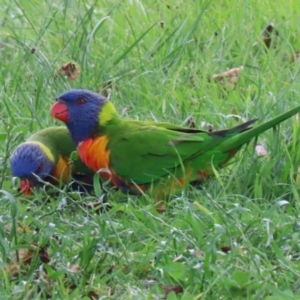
(39, 168)
(80, 101)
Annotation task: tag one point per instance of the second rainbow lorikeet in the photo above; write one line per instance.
(148, 155)
(45, 155)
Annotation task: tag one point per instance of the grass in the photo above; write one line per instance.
(236, 237)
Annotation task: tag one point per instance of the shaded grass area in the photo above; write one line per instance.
(236, 237)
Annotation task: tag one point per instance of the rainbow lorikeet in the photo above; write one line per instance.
(46, 155)
(141, 155)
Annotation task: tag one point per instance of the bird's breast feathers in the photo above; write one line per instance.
(94, 153)
(62, 169)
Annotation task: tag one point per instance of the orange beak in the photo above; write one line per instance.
(60, 111)
(26, 186)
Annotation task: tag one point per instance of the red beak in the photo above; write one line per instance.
(60, 111)
(26, 186)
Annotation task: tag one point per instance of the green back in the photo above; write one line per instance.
(59, 141)
(146, 151)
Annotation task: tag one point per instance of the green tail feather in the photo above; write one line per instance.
(246, 136)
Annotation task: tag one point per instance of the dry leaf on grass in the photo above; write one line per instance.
(225, 249)
(70, 70)
(13, 270)
(229, 77)
(43, 255)
(75, 268)
(168, 289)
(105, 89)
(26, 255)
(160, 207)
(268, 35)
(190, 122)
(208, 126)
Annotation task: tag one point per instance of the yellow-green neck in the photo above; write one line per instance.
(108, 112)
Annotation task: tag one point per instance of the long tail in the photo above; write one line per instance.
(247, 135)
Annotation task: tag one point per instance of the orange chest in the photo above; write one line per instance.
(94, 153)
(62, 169)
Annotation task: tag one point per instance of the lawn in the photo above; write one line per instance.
(236, 236)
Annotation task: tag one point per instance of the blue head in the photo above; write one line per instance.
(28, 159)
(81, 111)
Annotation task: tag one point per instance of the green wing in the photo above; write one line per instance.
(145, 152)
